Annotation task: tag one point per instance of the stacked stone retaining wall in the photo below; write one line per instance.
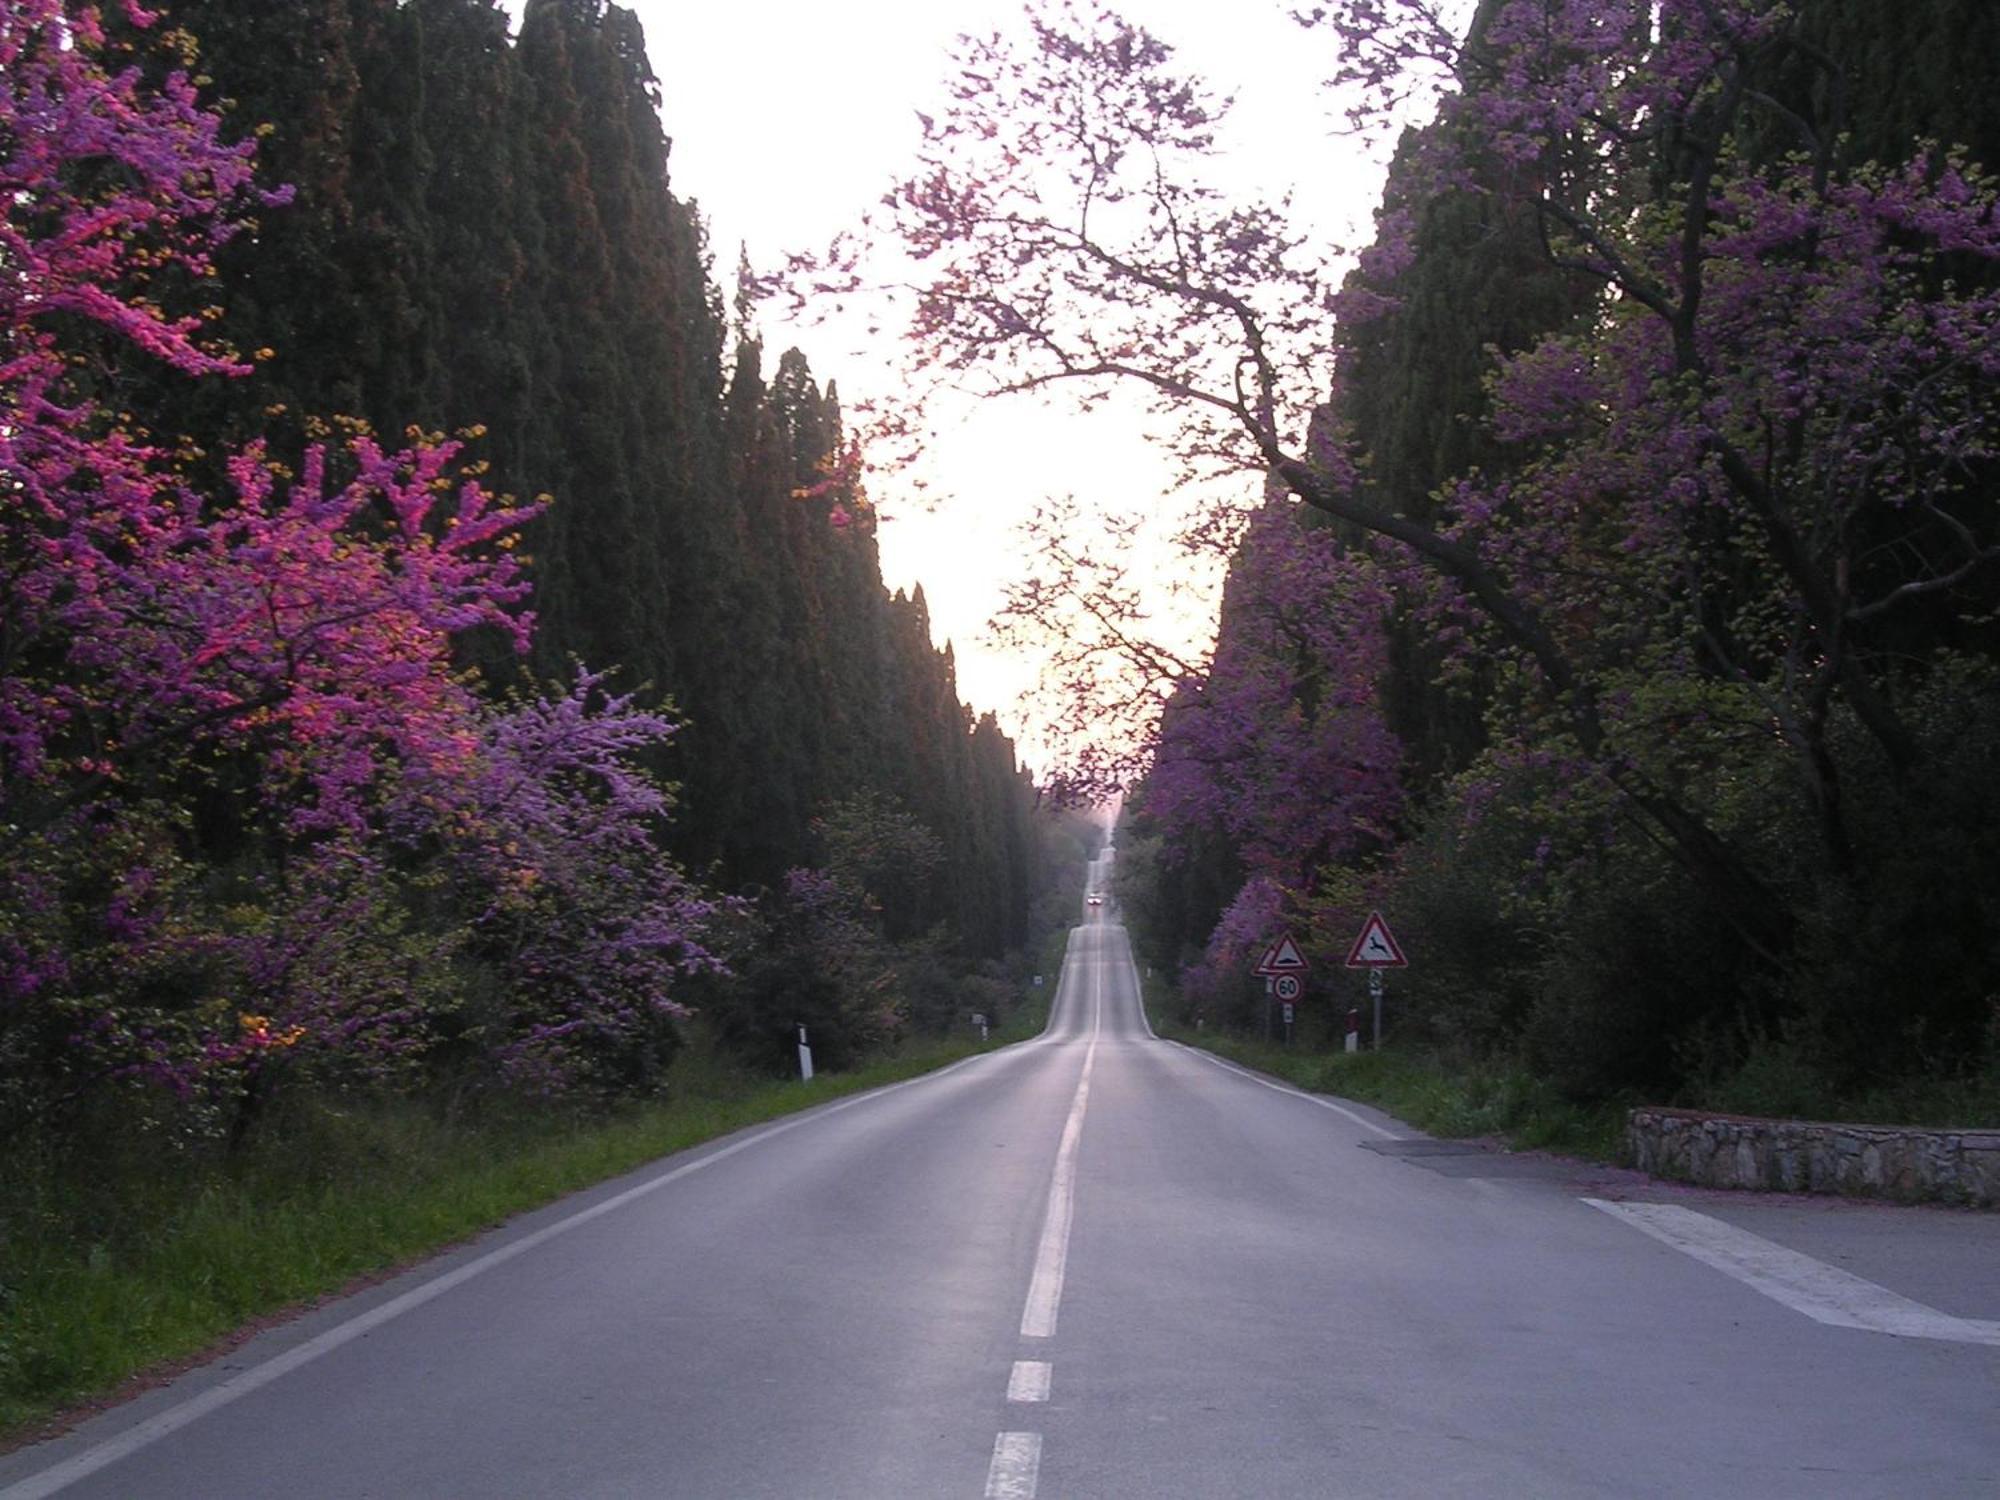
(1802, 1156)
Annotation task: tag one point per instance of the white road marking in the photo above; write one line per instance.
(1029, 1380)
(1016, 1466)
(1017, 1456)
(1065, 982)
(1038, 1317)
(59, 1477)
(1822, 1292)
(1138, 989)
(1323, 1103)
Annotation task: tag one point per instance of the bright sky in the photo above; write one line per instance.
(790, 117)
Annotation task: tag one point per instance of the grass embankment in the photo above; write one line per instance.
(1437, 1095)
(140, 1262)
(1450, 1098)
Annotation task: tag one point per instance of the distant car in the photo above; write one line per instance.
(1095, 900)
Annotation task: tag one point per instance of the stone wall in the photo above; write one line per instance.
(1801, 1156)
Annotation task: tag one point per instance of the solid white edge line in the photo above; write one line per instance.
(60, 1476)
(1824, 1293)
(1029, 1380)
(1016, 1466)
(1049, 1035)
(1045, 1287)
(1138, 989)
(1281, 1088)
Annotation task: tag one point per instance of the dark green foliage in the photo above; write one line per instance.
(811, 958)
(1412, 390)
(1606, 970)
(1172, 894)
(1887, 977)
(1915, 70)
(1473, 990)
(1639, 934)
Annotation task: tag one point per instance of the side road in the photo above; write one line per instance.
(1923, 1270)
(1510, 1109)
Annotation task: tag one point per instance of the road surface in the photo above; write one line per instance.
(1100, 1265)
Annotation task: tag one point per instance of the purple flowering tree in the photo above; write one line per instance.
(1765, 449)
(1280, 743)
(1278, 747)
(237, 761)
(555, 857)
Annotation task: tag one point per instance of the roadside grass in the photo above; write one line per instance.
(1441, 1096)
(1454, 1097)
(1776, 1081)
(1436, 1096)
(151, 1257)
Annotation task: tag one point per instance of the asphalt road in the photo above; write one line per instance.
(1097, 1266)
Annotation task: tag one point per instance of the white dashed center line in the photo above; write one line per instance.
(1038, 1317)
(1030, 1380)
(1017, 1464)
(1017, 1456)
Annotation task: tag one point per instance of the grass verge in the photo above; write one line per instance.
(1434, 1094)
(153, 1257)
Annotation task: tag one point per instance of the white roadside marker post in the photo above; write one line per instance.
(805, 1058)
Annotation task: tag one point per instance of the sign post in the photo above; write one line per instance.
(1376, 949)
(1282, 969)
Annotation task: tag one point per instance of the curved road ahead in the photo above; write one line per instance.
(1097, 1266)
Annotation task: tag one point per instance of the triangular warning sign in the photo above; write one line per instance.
(1376, 947)
(1282, 957)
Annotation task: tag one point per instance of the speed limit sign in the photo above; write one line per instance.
(1287, 987)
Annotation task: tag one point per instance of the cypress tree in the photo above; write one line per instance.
(484, 235)
(1478, 285)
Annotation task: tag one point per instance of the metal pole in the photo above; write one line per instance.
(1375, 993)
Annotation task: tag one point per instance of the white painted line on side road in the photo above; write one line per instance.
(52, 1480)
(1016, 1466)
(1030, 1380)
(1822, 1292)
(1323, 1103)
(1038, 1317)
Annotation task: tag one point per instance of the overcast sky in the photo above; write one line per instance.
(789, 119)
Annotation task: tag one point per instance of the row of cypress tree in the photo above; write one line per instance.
(483, 239)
